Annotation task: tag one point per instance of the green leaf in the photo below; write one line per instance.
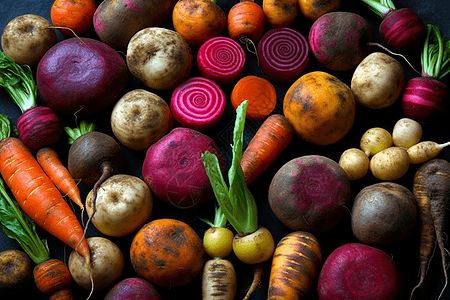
(435, 56)
(5, 127)
(76, 132)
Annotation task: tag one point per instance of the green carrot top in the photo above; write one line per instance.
(435, 56)
(236, 202)
(380, 7)
(18, 81)
(76, 132)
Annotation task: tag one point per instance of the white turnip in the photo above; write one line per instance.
(406, 133)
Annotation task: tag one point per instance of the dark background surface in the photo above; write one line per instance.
(404, 253)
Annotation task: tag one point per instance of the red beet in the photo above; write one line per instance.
(39, 126)
(283, 54)
(81, 77)
(221, 59)
(340, 40)
(198, 103)
(133, 288)
(356, 271)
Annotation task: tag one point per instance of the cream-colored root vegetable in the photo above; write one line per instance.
(355, 163)
(406, 133)
(375, 140)
(390, 164)
(424, 151)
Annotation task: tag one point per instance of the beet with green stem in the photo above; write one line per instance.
(402, 29)
(426, 97)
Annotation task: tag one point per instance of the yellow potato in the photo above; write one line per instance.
(355, 163)
(374, 140)
(390, 164)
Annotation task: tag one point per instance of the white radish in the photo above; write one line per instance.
(406, 133)
(374, 140)
(424, 151)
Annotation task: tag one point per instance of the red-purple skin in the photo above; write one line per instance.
(340, 40)
(39, 126)
(425, 98)
(81, 77)
(356, 271)
(174, 170)
(403, 31)
(133, 288)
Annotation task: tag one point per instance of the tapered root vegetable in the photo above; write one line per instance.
(274, 135)
(296, 262)
(406, 132)
(219, 280)
(424, 151)
(355, 163)
(374, 140)
(390, 164)
(431, 189)
(51, 275)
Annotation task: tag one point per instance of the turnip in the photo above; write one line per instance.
(406, 133)
(159, 57)
(390, 164)
(27, 37)
(378, 81)
(81, 76)
(38, 126)
(359, 272)
(426, 97)
(355, 163)
(402, 29)
(329, 42)
(374, 140)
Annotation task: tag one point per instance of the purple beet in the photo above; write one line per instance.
(133, 288)
(402, 29)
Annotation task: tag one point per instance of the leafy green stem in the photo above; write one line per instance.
(380, 7)
(76, 132)
(435, 56)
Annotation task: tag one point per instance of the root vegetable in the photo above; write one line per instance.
(390, 164)
(280, 13)
(133, 288)
(219, 280)
(406, 133)
(378, 81)
(107, 264)
(424, 151)
(355, 163)
(75, 15)
(245, 22)
(16, 271)
(375, 140)
(169, 63)
(431, 189)
(26, 38)
(313, 9)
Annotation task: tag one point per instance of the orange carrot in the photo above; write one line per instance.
(245, 22)
(295, 264)
(38, 196)
(58, 173)
(259, 92)
(52, 276)
(274, 135)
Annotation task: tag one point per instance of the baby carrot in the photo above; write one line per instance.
(270, 140)
(58, 173)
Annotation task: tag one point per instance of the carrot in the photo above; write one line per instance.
(257, 275)
(295, 264)
(58, 174)
(219, 281)
(431, 189)
(280, 13)
(274, 135)
(259, 92)
(245, 22)
(38, 196)
(51, 276)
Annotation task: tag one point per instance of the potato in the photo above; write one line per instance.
(355, 163)
(374, 140)
(390, 164)
(26, 38)
(378, 81)
(16, 271)
(140, 118)
(406, 133)
(383, 213)
(159, 57)
(107, 263)
(116, 21)
(124, 203)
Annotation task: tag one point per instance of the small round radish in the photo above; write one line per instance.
(198, 103)
(406, 132)
(378, 81)
(221, 59)
(402, 29)
(359, 272)
(283, 54)
(330, 43)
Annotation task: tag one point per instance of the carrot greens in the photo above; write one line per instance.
(236, 201)
(435, 56)
(16, 224)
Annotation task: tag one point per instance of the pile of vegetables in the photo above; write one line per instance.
(126, 126)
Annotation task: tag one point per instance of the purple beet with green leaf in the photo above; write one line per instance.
(402, 29)
(426, 97)
(38, 126)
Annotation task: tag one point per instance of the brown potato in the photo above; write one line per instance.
(16, 271)
(26, 38)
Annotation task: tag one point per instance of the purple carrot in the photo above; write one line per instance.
(426, 97)
(402, 29)
(37, 126)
